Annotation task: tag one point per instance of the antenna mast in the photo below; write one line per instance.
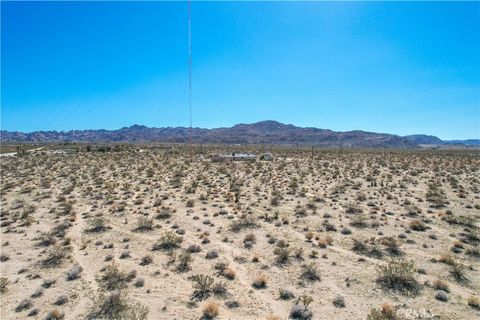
(190, 73)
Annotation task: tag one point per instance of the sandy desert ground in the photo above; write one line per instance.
(152, 235)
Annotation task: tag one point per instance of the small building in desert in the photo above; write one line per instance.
(226, 157)
(267, 156)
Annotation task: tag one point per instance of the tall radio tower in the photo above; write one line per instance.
(190, 73)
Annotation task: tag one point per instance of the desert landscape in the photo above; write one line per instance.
(165, 233)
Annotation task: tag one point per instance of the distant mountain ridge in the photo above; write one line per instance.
(432, 140)
(263, 132)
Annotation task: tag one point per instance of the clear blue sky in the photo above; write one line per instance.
(401, 68)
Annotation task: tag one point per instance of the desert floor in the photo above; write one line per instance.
(127, 235)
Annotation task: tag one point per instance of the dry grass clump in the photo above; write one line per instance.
(441, 285)
(387, 312)
(210, 310)
(474, 302)
(260, 282)
(325, 241)
(417, 225)
(398, 275)
(54, 314)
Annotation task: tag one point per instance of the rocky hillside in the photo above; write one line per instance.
(264, 132)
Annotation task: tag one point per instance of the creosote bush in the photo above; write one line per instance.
(116, 305)
(398, 275)
(168, 241)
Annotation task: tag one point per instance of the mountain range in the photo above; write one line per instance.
(263, 132)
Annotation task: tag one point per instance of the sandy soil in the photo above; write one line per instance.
(235, 223)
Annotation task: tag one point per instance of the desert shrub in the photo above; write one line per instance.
(457, 270)
(54, 257)
(54, 314)
(112, 278)
(125, 254)
(61, 300)
(37, 293)
(399, 276)
(359, 221)
(116, 305)
(260, 282)
(190, 203)
(98, 224)
(139, 283)
(249, 240)
(165, 213)
(310, 272)
(441, 296)
(232, 304)
(369, 248)
(74, 272)
(339, 301)
(474, 302)
(441, 285)
(245, 222)
(168, 241)
(300, 309)
(184, 260)
(463, 220)
(24, 305)
(309, 236)
(3, 285)
(417, 225)
(392, 246)
(473, 251)
(211, 254)
(202, 286)
(285, 294)
(210, 310)
(220, 289)
(387, 312)
(146, 260)
(447, 259)
(144, 224)
(352, 208)
(282, 255)
(45, 239)
(47, 283)
(325, 241)
(229, 273)
(194, 248)
(436, 196)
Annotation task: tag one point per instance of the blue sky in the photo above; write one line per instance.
(401, 68)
